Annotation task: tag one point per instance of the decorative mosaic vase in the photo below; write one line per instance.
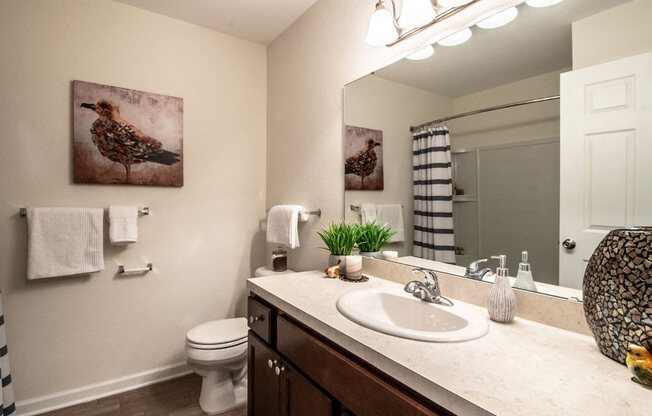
(617, 292)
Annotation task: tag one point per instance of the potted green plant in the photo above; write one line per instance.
(372, 237)
(340, 238)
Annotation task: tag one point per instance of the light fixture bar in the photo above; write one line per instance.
(440, 16)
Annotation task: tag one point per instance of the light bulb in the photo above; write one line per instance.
(453, 3)
(499, 19)
(423, 53)
(381, 27)
(457, 38)
(542, 3)
(416, 13)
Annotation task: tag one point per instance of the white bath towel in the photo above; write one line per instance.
(392, 215)
(283, 224)
(64, 241)
(368, 213)
(123, 224)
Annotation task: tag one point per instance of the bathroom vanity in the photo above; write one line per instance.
(305, 358)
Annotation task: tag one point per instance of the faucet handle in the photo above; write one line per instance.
(429, 275)
(475, 266)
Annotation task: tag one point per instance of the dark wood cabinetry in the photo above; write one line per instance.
(299, 373)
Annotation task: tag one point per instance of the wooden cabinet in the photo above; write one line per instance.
(277, 389)
(303, 374)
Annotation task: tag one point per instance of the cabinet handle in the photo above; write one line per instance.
(253, 319)
(271, 363)
(279, 370)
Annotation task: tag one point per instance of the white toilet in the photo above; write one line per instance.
(217, 351)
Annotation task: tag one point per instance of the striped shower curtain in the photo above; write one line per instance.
(7, 405)
(433, 195)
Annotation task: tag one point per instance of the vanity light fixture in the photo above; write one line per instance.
(382, 30)
(457, 38)
(542, 3)
(453, 3)
(415, 13)
(423, 53)
(499, 19)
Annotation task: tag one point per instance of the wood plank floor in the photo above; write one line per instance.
(177, 397)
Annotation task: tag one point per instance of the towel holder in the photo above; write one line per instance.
(143, 211)
(316, 212)
(122, 270)
(357, 207)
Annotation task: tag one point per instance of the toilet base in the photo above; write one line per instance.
(222, 390)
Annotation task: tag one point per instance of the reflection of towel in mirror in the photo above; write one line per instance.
(392, 215)
(282, 224)
(368, 213)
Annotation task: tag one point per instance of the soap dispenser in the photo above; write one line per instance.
(502, 301)
(524, 278)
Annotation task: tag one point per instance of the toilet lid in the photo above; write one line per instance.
(218, 332)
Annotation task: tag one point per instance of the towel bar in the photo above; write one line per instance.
(316, 212)
(357, 207)
(122, 270)
(144, 211)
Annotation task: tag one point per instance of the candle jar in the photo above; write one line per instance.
(354, 267)
(279, 259)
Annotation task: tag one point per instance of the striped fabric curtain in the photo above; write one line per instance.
(433, 195)
(7, 391)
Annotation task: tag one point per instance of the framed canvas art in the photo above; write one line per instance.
(124, 136)
(363, 159)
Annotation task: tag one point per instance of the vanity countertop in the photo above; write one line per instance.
(523, 368)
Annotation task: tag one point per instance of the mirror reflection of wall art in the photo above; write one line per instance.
(123, 136)
(363, 159)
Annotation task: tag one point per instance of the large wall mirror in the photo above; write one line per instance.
(490, 178)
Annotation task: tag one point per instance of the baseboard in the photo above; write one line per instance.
(96, 391)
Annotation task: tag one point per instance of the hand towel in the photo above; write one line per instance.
(283, 224)
(123, 224)
(392, 215)
(368, 213)
(64, 241)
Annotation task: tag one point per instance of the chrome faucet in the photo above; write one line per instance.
(428, 290)
(474, 271)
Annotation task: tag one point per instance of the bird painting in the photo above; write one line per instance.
(364, 163)
(639, 362)
(120, 141)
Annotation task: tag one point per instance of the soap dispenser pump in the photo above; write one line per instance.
(502, 301)
(524, 278)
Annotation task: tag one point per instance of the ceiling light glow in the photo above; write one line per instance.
(499, 19)
(457, 38)
(542, 3)
(423, 53)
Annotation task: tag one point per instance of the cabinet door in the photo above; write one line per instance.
(263, 383)
(300, 397)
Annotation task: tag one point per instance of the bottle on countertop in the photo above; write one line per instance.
(502, 301)
(524, 278)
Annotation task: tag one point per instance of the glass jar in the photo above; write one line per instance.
(279, 259)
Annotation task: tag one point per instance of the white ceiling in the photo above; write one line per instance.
(259, 21)
(538, 41)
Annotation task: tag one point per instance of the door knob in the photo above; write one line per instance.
(569, 244)
(278, 370)
(253, 319)
(271, 363)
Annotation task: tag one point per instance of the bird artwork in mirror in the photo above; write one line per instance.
(363, 159)
(125, 136)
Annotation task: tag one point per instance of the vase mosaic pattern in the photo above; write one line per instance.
(617, 291)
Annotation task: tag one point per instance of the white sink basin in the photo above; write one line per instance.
(395, 312)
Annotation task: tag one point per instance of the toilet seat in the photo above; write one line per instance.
(216, 335)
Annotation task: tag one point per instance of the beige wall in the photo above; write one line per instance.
(377, 103)
(614, 33)
(308, 66)
(203, 239)
(531, 122)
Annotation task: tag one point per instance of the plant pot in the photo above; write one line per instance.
(332, 261)
(617, 291)
(372, 254)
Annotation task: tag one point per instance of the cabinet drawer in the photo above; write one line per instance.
(260, 319)
(355, 387)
